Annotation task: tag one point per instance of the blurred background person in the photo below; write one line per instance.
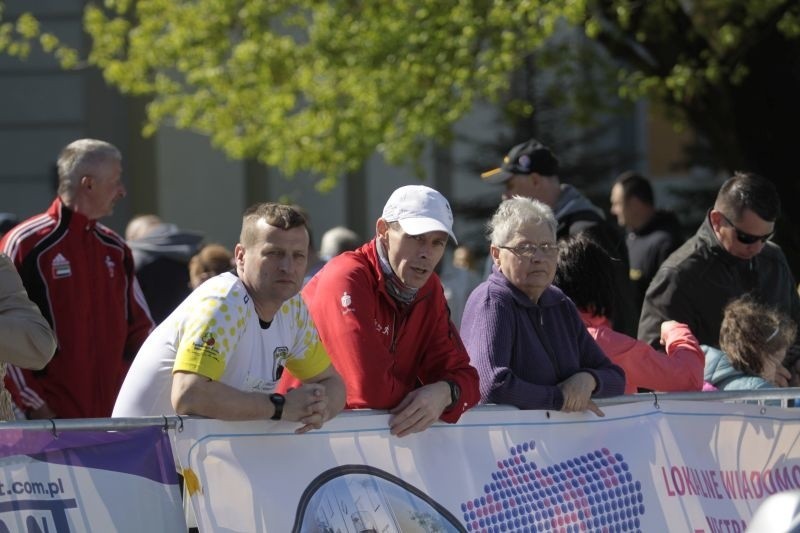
(458, 281)
(464, 258)
(651, 234)
(211, 260)
(523, 335)
(161, 254)
(334, 242)
(338, 240)
(585, 274)
(140, 225)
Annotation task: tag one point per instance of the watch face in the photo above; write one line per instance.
(455, 392)
(277, 399)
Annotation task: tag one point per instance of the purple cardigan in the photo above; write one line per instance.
(523, 350)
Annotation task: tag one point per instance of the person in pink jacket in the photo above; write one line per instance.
(584, 273)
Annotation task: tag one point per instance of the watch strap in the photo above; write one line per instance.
(455, 393)
(277, 401)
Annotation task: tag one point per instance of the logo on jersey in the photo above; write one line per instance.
(279, 357)
(207, 345)
(346, 302)
(61, 267)
(208, 339)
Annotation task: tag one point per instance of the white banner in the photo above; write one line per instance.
(678, 466)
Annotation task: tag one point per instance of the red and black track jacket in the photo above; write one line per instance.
(80, 274)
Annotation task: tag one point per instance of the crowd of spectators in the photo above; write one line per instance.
(573, 306)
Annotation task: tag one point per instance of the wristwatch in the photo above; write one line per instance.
(277, 400)
(455, 393)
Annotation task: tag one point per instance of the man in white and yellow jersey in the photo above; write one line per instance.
(220, 353)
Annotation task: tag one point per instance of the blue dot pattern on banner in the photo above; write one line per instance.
(592, 492)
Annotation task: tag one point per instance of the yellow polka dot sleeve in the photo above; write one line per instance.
(210, 332)
(308, 357)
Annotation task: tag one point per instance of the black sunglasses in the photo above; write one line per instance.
(747, 238)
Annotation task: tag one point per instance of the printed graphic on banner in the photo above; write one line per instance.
(367, 500)
(595, 489)
(677, 466)
(88, 481)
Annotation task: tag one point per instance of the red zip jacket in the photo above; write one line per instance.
(80, 274)
(381, 351)
(680, 369)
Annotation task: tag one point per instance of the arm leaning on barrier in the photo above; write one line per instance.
(334, 389)
(420, 408)
(577, 390)
(194, 394)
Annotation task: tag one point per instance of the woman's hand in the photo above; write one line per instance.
(577, 390)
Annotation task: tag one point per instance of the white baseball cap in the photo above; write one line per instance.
(419, 209)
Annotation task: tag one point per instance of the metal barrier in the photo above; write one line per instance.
(784, 395)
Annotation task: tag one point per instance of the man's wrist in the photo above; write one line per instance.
(455, 394)
(595, 383)
(277, 401)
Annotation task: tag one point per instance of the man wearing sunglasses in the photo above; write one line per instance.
(729, 256)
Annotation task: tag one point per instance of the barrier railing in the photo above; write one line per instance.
(784, 395)
(707, 462)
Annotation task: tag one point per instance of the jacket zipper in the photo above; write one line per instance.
(539, 326)
(393, 345)
(406, 312)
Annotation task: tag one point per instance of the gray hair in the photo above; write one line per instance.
(515, 213)
(79, 158)
(338, 240)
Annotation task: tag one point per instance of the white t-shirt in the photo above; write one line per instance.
(216, 333)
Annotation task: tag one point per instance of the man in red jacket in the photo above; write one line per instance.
(80, 274)
(382, 315)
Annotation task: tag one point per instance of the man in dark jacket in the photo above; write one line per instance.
(729, 256)
(652, 234)
(531, 170)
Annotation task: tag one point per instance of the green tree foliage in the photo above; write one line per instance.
(728, 68)
(321, 85)
(309, 85)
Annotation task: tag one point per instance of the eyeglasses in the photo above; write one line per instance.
(747, 238)
(528, 251)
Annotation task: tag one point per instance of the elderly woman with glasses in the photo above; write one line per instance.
(523, 335)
